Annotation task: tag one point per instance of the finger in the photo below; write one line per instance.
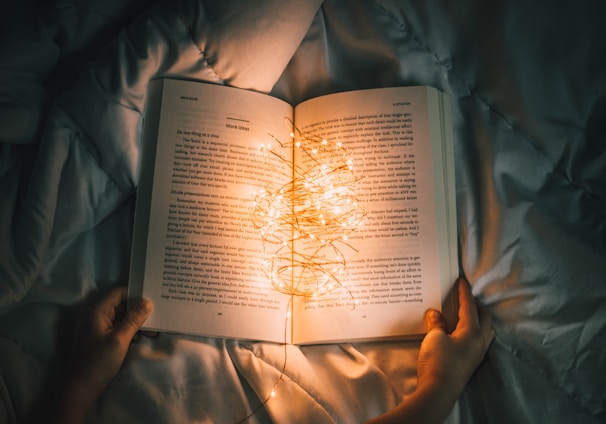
(468, 311)
(104, 311)
(434, 320)
(133, 319)
(111, 300)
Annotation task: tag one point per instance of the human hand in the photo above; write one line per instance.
(449, 360)
(101, 341)
(446, 362)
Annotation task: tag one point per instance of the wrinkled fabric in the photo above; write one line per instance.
(528, 89)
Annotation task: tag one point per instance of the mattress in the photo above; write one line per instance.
(527, 82)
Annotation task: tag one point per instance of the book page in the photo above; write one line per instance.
(404, 254)
(202, 254)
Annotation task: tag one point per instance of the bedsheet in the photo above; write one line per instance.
(528, 88)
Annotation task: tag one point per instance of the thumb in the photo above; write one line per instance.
(134, 318)
(435, 320)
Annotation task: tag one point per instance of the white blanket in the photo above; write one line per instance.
(528, 85)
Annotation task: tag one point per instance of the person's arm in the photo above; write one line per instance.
(98, 351)
(446, 363)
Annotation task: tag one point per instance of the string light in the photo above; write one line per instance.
(305, 222)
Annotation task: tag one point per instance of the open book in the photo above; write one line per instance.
(201, 260)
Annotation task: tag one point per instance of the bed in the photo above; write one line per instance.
(528, 87)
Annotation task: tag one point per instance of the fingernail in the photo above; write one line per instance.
(432, 314)
(143, 306)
